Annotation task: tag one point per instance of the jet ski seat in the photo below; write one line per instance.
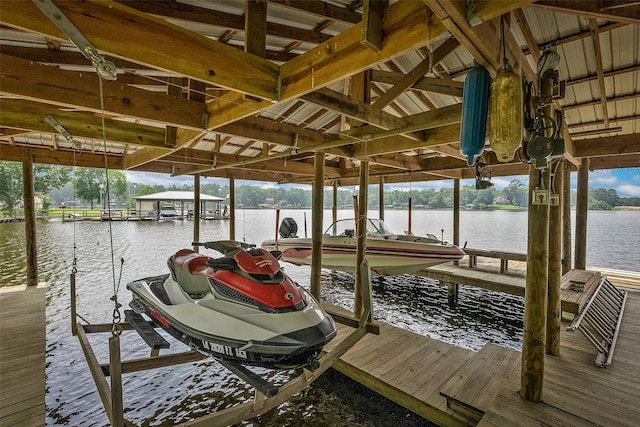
(191, 272)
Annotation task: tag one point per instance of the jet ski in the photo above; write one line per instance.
(241, 307)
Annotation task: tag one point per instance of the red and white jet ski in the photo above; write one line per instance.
(240, 307)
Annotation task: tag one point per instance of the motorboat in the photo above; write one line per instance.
(240, 307)
(387, 253)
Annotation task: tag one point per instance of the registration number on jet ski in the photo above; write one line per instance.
(224, 349)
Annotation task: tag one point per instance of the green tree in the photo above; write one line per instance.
(606, 196)
(10, 184)
(45, 178)
(516, 192)
(91, 184)
(485, 197)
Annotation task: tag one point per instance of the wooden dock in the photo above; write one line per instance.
(22, 356)
(576, 392)
(448, 385)
(509, 282)
(452, 386)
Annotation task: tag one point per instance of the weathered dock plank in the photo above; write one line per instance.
(511, 283)
(22, 356)
(576, 392)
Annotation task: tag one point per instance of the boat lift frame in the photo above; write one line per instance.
(267, 396)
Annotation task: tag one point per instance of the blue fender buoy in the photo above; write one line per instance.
(475, 106)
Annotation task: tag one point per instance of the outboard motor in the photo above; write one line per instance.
(288, 228)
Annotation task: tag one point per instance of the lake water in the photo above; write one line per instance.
(176, 394)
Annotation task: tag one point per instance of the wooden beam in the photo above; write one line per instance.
(141, 157)
(532, 43)
(453, 16)
(322, 9)
(405, 28)
(355, 109)
(190, 13)
(596, 132)
(631, 96)
(615, 120)
(31, 116)
(417, 72)
(591, 77)
(615, 162)
(59, 157)
(271, 131)
(608, 146)
(482, 41)
(170, 48)
(577, 36)
(371, 30)
(80, 90)
(61, 57)
(595, 36)
(426, 84)
(592, 9)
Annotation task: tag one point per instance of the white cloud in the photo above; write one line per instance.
(628, 190)
(602, 178)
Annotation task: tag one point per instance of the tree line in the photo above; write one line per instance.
(86, 187)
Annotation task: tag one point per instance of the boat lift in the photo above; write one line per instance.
(267, 396)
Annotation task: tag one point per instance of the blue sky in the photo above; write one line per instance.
(626, 182)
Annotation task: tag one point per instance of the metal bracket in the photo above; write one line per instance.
(75, 144)
(105, 68)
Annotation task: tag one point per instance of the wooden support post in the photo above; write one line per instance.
(196, 211)
(372, 15)
(456, 215)
(554, 293)
(381, 198)
(72, 291)
(582, 205)
(452, 293)
(566, 217)
(361, 248)
(256, 28)
(317, 207)
(410, 213)
(115, 371)
(275, 236)
(535, 302)
(232, 208)
(334, 207)
(30, 218)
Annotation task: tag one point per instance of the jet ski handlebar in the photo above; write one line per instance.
(224, 246)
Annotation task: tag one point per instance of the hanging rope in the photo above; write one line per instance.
(116, 328)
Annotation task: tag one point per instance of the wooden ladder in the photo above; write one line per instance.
(600, 320)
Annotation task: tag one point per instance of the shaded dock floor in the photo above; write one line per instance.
(22, 356)
(452, 386)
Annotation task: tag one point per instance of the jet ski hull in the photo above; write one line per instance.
(235, 332)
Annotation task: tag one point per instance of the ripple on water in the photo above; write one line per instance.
(171, 395)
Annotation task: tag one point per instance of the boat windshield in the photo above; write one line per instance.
(347, 228)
